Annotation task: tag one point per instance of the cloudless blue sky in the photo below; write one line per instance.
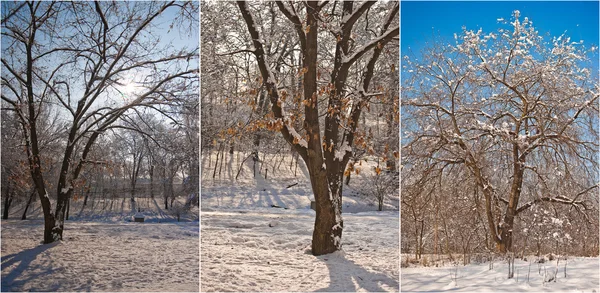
(420, 21)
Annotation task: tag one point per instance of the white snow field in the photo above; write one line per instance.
(265, 250)
(248, 245)
(102, 251)
(582, 276)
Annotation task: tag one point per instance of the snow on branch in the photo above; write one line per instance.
(380, 41)
(236, 52)
(349, 20)
(390, 16)
(437, 106)
(559, 199)
(95, 162)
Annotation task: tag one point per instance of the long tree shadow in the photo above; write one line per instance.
(347, 276)
(24, 258)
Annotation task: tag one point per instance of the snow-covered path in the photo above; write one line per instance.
(101, 257)
(266, 249)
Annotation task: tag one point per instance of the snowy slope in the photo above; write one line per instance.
(104, 256)
(582, 276)
(224, 191)
(267, 249)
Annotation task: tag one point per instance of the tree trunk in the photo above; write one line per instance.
(50, 233)
(164, 185)
(327, 233)
(421, 238)
(296, 168)
(7, 202)
(172, 191)
(24, 217)
(85, 198)
(151, 181)
(221, 162)
(506, 228)
(68, 209)
(435, 227)
(61, 211)
(217, 161)
(266, 173)
(254, 161)
(257, 135)
(132, 199)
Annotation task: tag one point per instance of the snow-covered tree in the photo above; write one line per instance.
(511, 111)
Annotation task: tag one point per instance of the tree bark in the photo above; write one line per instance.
(506, 227)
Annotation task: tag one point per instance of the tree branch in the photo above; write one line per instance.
(293, 17)
(558, 199)
(349, 20)
(288, 131)
(105, 26)
(382, 40)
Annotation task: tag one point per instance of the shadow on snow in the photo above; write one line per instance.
(345, 275)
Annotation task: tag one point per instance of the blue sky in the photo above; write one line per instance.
(421, 20)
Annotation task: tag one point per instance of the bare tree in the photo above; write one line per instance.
(81, 56)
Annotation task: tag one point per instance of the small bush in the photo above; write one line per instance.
(480, 258)
(404, 263)
(380, 185)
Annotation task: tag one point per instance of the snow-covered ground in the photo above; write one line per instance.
(102, 250)
(268, 250)
(582, 276)
(248, 245)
